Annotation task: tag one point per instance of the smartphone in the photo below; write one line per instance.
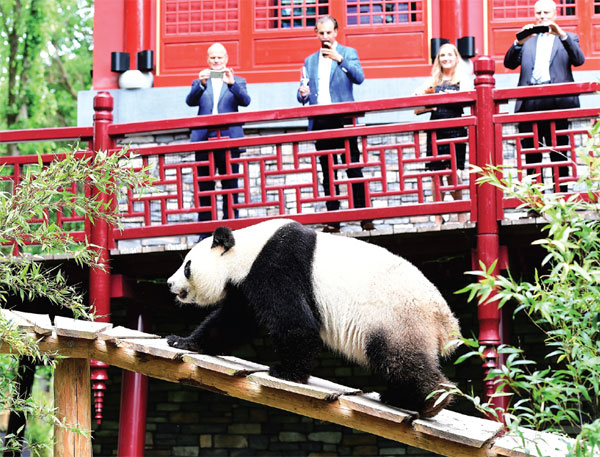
(217, 74)
(536, 29)
(326, 44)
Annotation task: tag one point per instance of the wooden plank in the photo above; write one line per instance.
(369, 404)
(13, 317)
(532, 443)
(122, 333)
(228, 365)
(172, 370)
(472, 431)
(75, 328)
(158, 348)
(41, 322)
(72, 400)
(314, 388)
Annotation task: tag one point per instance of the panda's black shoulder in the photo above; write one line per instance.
(294, 232)
(289, 241)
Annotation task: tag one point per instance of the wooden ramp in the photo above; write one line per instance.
(449, 433)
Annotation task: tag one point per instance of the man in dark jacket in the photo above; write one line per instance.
(546, 58)
(217, 90)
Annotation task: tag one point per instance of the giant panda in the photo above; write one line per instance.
(308, 288)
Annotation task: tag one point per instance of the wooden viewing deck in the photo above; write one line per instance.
(449, 433)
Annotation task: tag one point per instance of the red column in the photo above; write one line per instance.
(488, 242)
(132, 423)
(137, 27)
(99, 236)
(134, 395)
(473, 23)
(451, 19)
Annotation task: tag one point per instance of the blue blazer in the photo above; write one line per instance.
(564, 54)
(230, 99)
(341, 81)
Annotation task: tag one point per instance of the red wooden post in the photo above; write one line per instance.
(134, 397)
(451, 20)
(99, 236)
(137, 27)
(488, 241)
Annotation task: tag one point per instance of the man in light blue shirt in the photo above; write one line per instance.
(329, 76)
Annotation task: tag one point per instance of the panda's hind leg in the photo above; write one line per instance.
(410, 374)
(297, 349)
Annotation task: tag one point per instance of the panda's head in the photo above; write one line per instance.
(204, 274)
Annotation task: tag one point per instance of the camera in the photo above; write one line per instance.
(536, 29)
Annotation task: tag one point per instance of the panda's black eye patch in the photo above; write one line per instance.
(187, 270)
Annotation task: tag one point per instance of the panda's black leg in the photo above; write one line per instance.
(297, 349)
(410, 375)
(223, 330)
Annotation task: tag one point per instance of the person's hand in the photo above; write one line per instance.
(228, 76)
(304, 90)
(203, 76)
(332, 54)
(425, 90)
(556, 30)
(526, 27)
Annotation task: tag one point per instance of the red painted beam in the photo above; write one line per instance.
(48, 134)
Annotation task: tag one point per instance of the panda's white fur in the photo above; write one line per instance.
(207, 284)
(362, 301)
(377, 286)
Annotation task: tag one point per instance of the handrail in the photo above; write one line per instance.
(545, 90)
(46, 134)
(350, 109)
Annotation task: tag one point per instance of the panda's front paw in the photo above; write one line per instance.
(180, 342)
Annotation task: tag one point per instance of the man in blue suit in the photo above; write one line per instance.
(329, 76)
(217, 91)
(545, 58)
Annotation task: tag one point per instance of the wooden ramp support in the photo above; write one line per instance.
(73, 401)
(449, 433)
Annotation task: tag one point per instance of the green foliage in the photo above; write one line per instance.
(39, 433)
(26, 216)
(562, 393)
(45, 192)
(45, 59)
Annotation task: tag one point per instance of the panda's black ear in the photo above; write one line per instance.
(223, 236)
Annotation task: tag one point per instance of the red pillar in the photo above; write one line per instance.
(137, 27)
(451, 19)
(473, 23)
(488, 242)
(134, 394)
(99, 236)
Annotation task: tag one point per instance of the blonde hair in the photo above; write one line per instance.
(458, 73)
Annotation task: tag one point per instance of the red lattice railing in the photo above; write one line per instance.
(280, 176)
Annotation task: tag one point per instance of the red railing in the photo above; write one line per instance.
(279, 174)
